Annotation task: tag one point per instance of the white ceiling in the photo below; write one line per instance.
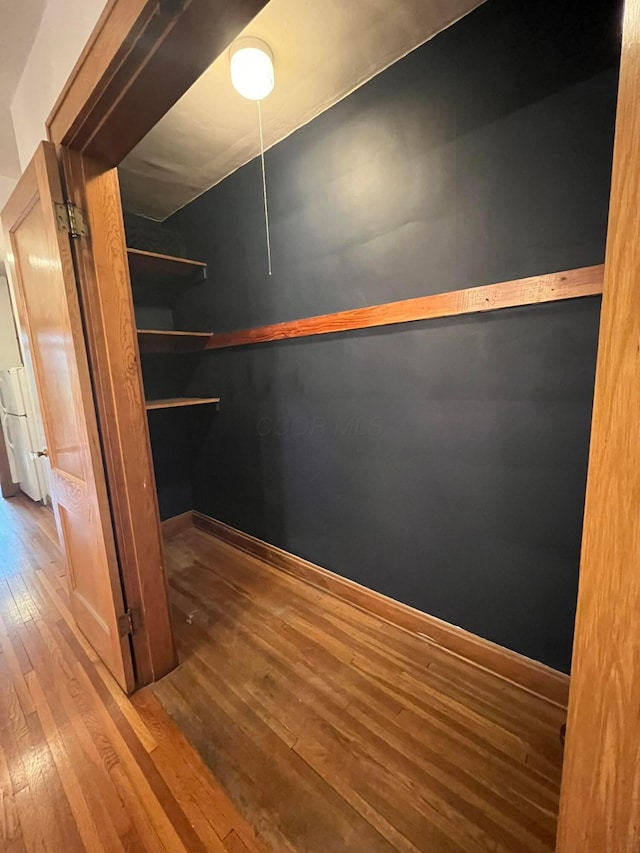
(323, 50)
(19, 22)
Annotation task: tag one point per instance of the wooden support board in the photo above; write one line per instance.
(571, 284)
(175, 402)
(600, 805)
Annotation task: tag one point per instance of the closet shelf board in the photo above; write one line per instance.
(163, 269)
(168, 340)
(175, 402)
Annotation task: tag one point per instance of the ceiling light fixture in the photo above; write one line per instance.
(252, 68)
(252, 75)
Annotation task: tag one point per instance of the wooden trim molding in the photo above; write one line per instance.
(119, 27)
(586, 281)
(600, 797)
(176, 524)
(142, 56)
(532, 676)
(107, 305)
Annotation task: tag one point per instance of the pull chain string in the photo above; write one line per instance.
(264, 188)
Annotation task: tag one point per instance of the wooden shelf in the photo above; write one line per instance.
(175, 402)
(161, 340)
(163, 269)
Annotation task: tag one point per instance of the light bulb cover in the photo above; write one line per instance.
(252, 71)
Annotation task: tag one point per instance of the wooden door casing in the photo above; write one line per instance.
(600, 801)
(111, 100)
(601, 790)
(41, 268)
(107, 301)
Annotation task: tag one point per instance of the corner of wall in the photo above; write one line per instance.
(64, 30)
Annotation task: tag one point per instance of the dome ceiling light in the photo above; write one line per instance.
(252, 75)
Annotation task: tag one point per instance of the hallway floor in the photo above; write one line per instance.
(332, 730)
(81, 767)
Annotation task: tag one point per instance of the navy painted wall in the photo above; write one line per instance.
(173, 432)
(442, 463)
(482, 156)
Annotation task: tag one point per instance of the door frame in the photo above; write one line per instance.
(95, 122)
(130, 61)
(79, 492)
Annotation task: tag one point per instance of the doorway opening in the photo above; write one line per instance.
(329, 451)
(397, 419)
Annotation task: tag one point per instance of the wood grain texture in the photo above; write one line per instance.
(121, 24)
(332, 729)
(161, 269)
(82, 767)
(41, 267)
(539, 679)
(177, 402)
(103, 278)
(601, 786)
(141, 58)
(177, 523)
(571, 284)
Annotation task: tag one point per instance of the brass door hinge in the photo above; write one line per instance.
(128, 623)
(70, 219)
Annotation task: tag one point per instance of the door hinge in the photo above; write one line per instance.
(71, 219)
(129, 622)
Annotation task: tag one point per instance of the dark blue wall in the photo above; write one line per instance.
(442, 463)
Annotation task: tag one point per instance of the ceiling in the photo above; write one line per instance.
(323, 50)
(19, 24)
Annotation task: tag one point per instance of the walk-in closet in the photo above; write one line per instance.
(368, 352)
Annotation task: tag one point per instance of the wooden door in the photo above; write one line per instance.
(40, 265)
(102, 270)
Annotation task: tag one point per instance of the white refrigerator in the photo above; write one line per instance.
(20, 425)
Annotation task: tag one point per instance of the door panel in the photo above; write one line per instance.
(41, 269)
(105, 288)
(53, 353)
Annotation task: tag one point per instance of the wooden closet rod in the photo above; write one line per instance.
(586, 281)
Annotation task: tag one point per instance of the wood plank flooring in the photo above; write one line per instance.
(81, 766)
(332, 730)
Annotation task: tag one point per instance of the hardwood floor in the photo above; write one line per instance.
(81, 766)
(326, 729)
(332, 730)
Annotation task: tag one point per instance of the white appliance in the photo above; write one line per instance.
(22, 435)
